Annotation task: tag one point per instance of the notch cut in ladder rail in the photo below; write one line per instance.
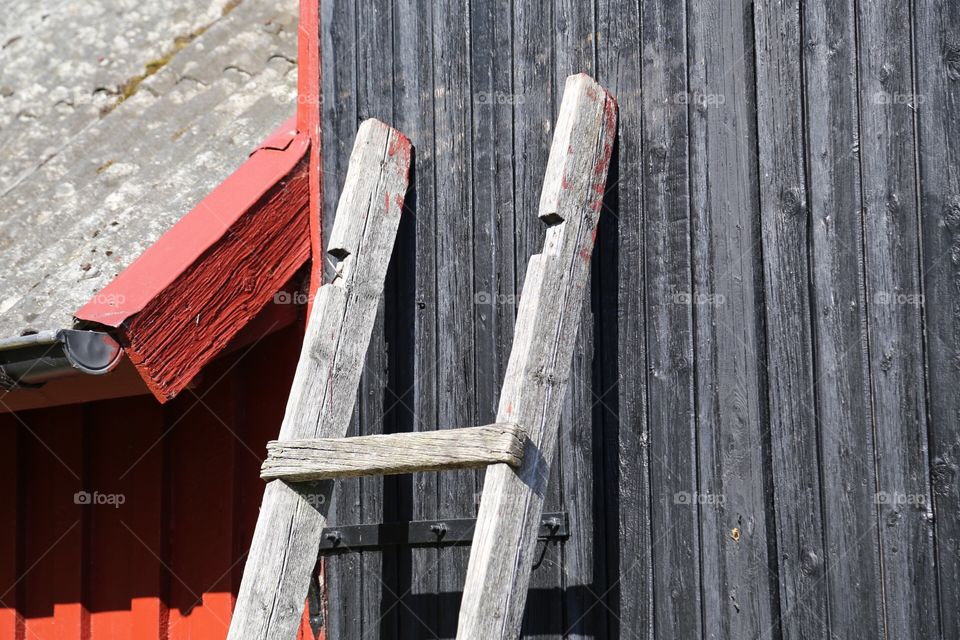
(535, 381)
(275, 580)
(443, 450)
(292, 516)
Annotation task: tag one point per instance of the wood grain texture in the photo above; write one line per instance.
(736, 554)
(847, 447)
(784, 221)
(344, 575)
(368, 496)
(536, 377)
(321, 401)
(537, 82)
(670, 307)
(894, 320)
(937, 63)
(414, 102)
(322, 459)
(456, 308)
(622, 260)
(487, 73)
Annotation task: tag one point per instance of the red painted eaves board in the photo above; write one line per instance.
(181, 302)
(196, 232)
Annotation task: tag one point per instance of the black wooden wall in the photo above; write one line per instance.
(761, 434)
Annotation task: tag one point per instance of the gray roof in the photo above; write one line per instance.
(116, 118)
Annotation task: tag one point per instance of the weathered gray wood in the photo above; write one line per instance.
(325, 458)
(623, 360)
(495, 287)
(456, 305)
(367, 500)
(536, 377)
(785, 225)
(937, 63)
(535, 94)
(517, 49)
(670, 307)
(894, 320)
(343, 574)
(851, 579)
(573, 567)
(413, 96)
(739, 595)
(283, 551)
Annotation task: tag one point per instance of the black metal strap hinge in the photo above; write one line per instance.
(423, 533)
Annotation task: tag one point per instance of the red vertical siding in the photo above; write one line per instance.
(166, 563)
(53, 544)
(125, 570)
(201, 486)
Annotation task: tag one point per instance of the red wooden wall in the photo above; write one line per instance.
(167, 562)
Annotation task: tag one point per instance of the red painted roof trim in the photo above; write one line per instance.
(224, 260)
(190, 293)
(197, 231)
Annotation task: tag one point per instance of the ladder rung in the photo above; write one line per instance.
(324, 458)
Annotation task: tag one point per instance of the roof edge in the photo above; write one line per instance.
(189, 294)
(183, 244)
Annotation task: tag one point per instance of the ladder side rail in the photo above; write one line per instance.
(292, 516)
(501, 557)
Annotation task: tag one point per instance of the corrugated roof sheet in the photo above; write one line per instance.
(116, 118)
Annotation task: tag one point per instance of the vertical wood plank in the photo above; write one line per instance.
(338, 49)
(493, 104)
(738, 590)
(894, 295)
(786, 271)
(340, 52)
(622, 257)
(199, 560)
(125, 582)
(54, 517)
(414, 97)
(669, 322)
(494, 271)
(376, 606)
(453, 161)
(853, 581)
(937, 62)
(534, 78)
(574, 43)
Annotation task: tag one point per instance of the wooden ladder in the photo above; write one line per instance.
(312, 451)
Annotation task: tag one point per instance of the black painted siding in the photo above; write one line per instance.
(761, 434)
